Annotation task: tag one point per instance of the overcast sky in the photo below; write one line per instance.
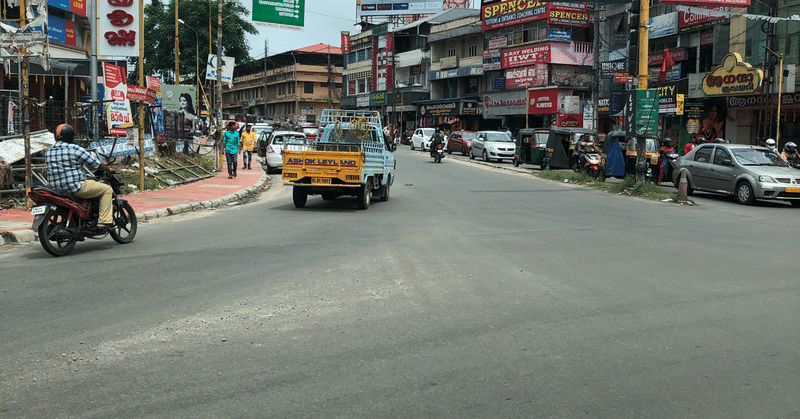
(324, 22)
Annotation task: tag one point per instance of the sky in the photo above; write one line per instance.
(324, 22)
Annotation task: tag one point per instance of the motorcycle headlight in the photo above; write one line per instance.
(766, 179)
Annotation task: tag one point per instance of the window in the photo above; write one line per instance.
(308, 87)
(703, 155)
(472, 51)
(721, 157)
(451, 52)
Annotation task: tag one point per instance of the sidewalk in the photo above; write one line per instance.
(15, 224)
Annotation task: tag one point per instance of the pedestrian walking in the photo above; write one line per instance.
(248, 145)
(232, 144)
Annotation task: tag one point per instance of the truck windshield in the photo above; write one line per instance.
(345, 136)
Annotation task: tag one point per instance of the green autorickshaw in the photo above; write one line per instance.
(531, 144)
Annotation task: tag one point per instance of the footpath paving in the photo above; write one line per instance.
(216, 191)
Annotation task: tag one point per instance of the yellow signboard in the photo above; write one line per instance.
(679, 104)
(733, 77)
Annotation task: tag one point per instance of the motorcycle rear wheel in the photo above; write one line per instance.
(124, 224)
(48, 231)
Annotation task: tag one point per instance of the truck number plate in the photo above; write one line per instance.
(38, 210)
(321, 180)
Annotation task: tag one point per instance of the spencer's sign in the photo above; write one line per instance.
(733, 77)
(513, 12)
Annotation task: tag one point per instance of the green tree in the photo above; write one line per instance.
(200, 15)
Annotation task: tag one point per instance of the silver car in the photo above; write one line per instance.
(491, 145)
(747, 172)
(277, 143)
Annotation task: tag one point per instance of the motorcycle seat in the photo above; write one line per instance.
(63, 192)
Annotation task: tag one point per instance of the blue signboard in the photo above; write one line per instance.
(56, 29)
(559, 35)
(499, 83)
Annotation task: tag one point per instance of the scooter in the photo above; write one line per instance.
(62, 219)
(592, 166)
(438, 154)
(670, 159)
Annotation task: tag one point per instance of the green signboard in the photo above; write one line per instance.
(280, 12)
(647, 113)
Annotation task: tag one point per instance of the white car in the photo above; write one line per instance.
(277, 143)
(422, 138)
(491, 145)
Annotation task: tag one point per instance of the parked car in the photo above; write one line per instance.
(492, 145)
(422, 138)
(460, 141)
(747, 172)
(311, 132)
(277, 142)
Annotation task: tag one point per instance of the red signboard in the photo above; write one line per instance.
(543, 101)
(345, 41)
(567, 14)
(696, 19)
(622, 77)
(569, 120)
(519, 57)
(657, 58)
(511, 12)
(69, 33)
(710, 3)
(534, 75)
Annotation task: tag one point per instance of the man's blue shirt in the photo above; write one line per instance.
(65, 165)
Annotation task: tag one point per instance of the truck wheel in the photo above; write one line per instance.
(299, 196)
(385, 194)
(364, 195)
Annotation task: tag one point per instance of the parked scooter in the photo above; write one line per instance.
(438, 153)
(63, 219)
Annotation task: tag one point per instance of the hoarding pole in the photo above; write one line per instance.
(142, 84)
(641, 142)
(26, 107)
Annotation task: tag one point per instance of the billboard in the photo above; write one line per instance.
(397, 8)
(118, 26)
(283, 13)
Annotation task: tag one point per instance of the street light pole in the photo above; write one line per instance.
(177, 47)
(219, 82)
(196, 64)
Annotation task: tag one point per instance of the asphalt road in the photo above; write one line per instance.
(472, 293)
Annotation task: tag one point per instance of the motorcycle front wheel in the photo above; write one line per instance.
(52, 237)
(124, 224)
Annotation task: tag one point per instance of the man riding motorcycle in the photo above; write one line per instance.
(790, 153)
(438, 138)
(65, 161)
(665, 149)
(582, 148)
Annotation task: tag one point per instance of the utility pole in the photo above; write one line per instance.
(219, 82)
(641, 142)
(266, 50)
(177, 47)
(596, 73)
(142, 84)
(26, 107)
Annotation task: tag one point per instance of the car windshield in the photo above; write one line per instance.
(427, 132)
(650, 145)
(758, 157)
(310, 131)
(498, 136)
(469, 135)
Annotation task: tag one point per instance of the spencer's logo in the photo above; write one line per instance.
(508, 7)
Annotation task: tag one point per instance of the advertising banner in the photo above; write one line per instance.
(397, 8)
(519, 57)
(118, 113)
(608, 68)
(663, 25)
(179, 98)
(75, 6)
(710, 3)
(559, 35)
(569, 14)
(734, 76)
(511, 12)
(345, 41)
(228, 63)
(505, 103)
(668, 98)
(569, 120)
(534, 75)
(697, 19)
(439, 109)
(156, 111)
(118, 28)
(288, 14)
(542, 101)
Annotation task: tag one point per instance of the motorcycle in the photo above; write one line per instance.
(794, 163)
(62, 219)
(438, 154)
(670, 159)
(591, 165)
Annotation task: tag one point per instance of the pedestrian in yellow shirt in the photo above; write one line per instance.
(248, 145)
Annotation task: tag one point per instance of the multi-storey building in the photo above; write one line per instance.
(299, 85)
